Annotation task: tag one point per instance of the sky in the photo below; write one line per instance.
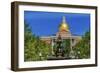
(47, 23)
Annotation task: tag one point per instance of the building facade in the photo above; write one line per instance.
(64, 33)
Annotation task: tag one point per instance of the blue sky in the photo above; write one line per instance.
(47, 23)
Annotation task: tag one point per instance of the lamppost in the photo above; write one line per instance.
(40, 55)
(78, 54)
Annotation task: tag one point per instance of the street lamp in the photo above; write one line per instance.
(40, 55)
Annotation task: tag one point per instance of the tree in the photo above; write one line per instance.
(29, 39)
(35, 49)
(82, 48)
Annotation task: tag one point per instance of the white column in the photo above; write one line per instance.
(52, 43)
(71, 43)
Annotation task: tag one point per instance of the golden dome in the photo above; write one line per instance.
(64, 26)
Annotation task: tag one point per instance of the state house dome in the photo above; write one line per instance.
(64, 26)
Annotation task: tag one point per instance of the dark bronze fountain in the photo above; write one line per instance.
(59, 50)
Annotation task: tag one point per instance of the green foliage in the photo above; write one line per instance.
(34, 48)
(82, 49)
